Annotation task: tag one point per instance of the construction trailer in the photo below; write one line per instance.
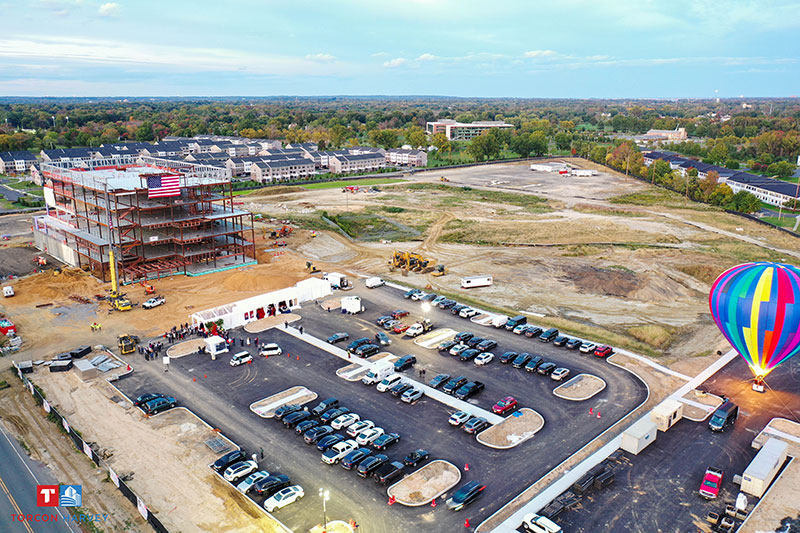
(159, 216)
(666, 414)
(764, 467)
(639, 436)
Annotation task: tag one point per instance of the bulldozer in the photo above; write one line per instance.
(127, 343)
(115, 298)
(439, 270)
(311, 268)
(285, 231)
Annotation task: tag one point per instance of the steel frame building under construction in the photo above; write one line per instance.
(97, 206)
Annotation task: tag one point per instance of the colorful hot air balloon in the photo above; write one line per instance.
(756, 307)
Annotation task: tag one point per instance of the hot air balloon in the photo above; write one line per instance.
(755, 306)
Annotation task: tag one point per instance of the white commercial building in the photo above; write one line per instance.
(461, 131)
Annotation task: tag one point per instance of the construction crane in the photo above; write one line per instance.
(116, 299)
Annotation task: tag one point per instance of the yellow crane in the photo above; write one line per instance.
(117, 300)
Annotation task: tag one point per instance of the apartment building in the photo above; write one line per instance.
(348, 164)
(18, 162)
(410, 158)
(461, 131)
(282, 170)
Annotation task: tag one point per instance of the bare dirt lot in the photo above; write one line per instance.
(427, 483)
(581, 387)
(514, 430)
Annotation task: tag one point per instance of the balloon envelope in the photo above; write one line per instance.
(755, 306)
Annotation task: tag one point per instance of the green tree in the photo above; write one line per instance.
(539, 143)
(338, 134)
(522, 145)
(441, 143)
(484, 146)
(144, 132)
(744, 202)
(563, 140)
(781, 169)
(415, 136)
(732, 164)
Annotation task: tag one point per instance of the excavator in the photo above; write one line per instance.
(414, 262)
(285, 231)
(115, 298)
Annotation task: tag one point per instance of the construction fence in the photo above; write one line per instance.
(84, 447)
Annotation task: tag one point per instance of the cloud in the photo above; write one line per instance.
(426, 57)
(396, 62)
(320, 57)
(539, 53)
(109, 9)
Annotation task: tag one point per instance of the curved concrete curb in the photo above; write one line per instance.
(182, 349)
(429, 500)
(270, 322)
(299, 393)
(525, 436)
(577, 378)
(333, 526)
(434, 338)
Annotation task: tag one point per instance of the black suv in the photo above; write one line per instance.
(469, 390)
(507, 357)
(454, 384)
(533, 331)
(439, 380)
(407, 361)
(534, 363)
(293, 419)
(464, 336)
(314, 434)
(365, 350)
(474, 341)
(548, 335)
(228, 459)
(487, 345)
(324, 405)
(469, 354)
(388, 472)
(546, 369)
(521, 360)
(271, 484)
(561, 340)
(465, 495)
(370, 464)
(332, 414)
(285, 410)
(356, 343)
(457, 308)
(353, 458)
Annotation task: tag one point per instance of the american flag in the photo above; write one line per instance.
(162, 185)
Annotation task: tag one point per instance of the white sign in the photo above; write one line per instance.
(113, 476)
(166, 360)
(65, 424)
(153, 238)
(46, 406)
(87, 450)
(142, 507)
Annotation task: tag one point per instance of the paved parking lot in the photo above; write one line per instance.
(222, 394)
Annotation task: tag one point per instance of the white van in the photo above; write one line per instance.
(372, 283)
(389, 382)
(377, 374)
(8, 291)
(241, 358)
(540, 524)
(499, 321)
(270, 349)
(476, 281)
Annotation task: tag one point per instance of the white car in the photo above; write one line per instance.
(458, 348)
(345, 420)
(335, 453)
(519, 330)
(241, 358)
(284, 497)
(270, 349)
(417, 296)
(360, 426)
(153, 302)
(369, 436)
(588, 347)
(389, 382)
(251, 480)
(484, 358)
(240, 469)
(458, 418)
(559, 374)
(539, 524)
(415, 330)
(411, 395)
(467, 313)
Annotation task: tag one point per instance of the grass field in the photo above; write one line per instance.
(785, 221)
(356, 183)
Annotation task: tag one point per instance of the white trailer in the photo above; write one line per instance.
(583, 172)
(476, 281)
(8, 291)
(764, 466)
(352, 305)
(337, 281)
(639, 436)
(666, 414)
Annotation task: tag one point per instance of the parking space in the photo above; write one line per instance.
(222, 394)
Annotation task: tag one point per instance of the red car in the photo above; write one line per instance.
(603, 351)
(712, 481)
(509, 403)
(400, 328)
(399, 314)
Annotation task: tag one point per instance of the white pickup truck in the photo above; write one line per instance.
(335, 453)
(153, 302)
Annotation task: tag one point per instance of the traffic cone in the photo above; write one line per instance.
(194, 379)
(298, 357)
(288, 354)
(391, 500)
(205, 376)
(591, 411)
(129, 368)
(598, 414)
(433, 503)
(466, 522)
(466, 467)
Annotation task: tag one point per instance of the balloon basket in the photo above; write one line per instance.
(758, 384)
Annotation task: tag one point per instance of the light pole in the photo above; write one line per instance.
(54, 121)
(325, 495)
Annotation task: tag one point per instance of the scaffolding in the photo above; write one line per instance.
(102, 204)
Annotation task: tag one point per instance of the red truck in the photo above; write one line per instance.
(712, 481)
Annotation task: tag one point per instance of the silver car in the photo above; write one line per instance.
(411, 395)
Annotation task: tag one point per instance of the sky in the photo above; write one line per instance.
(478, 48)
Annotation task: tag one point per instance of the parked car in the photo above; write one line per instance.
(416, 457)
(270, 485)
(507, 357)
(712, 481)
(463, 336)
(155, 301)
(447, 345)
(338, 337)
(239, 470)
(484, 358)
(456, 309)
(269, 350)
(351, 460)
(144, 398)
(325, 443)
(469, 355)
(305, 425)
(366, 350)
(400, 327)
(533, 331)
(573, 344)
(506, 405)
(386, 440)
(534, 363)
(314, 434)
(467, 494)
(389, 382)
(474, 341)
(389, 326)
(342, 421)
(539, 524)
(293, 419)
(338, 451)
(370, 464)
(324, 405)
(561, 340)
(241, 358)
(356, 343)
(454, 384)
(405, 362)
(399, 313)
(228, 459)
(333, 414)
(428, 298)
(521, 360)
(287, 409)
(358, 427)
(383, 319)
(417, 296)
(458, 348)
(368, 436)
(487, 345)
(400, 389)
(548, 335)
(469, 390)
(388, 472)
(468, 313)
(546, 369)
(559, 374)
(458, 418)
(603, 351)
(245, 486)
(374, 282)
(412, 395)
(447, 304)
(410, 293)
(283, 497)
(439, 299)
(439, 380)
(155, 406)
(512, 323)
(476, 425)
(519, 330)
(587, 347)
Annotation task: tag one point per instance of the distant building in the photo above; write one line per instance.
(67, 154)
(348, 164)
(410, 158)
(678, 134)
(460, 131)
(282, 170)
(16, 162)
(308, 147)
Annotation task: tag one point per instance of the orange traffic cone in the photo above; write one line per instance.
(466, 522)
(591, 412)
(466, 467)
(433, 503)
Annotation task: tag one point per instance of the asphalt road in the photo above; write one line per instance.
(658, 492)
(222, 395)
(18, 479)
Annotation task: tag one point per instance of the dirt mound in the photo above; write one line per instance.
(249, 280)
(47, 286)
(606, 281)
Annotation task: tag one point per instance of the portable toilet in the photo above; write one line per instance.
(764, 466)
(667, 413)
(637, 437)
